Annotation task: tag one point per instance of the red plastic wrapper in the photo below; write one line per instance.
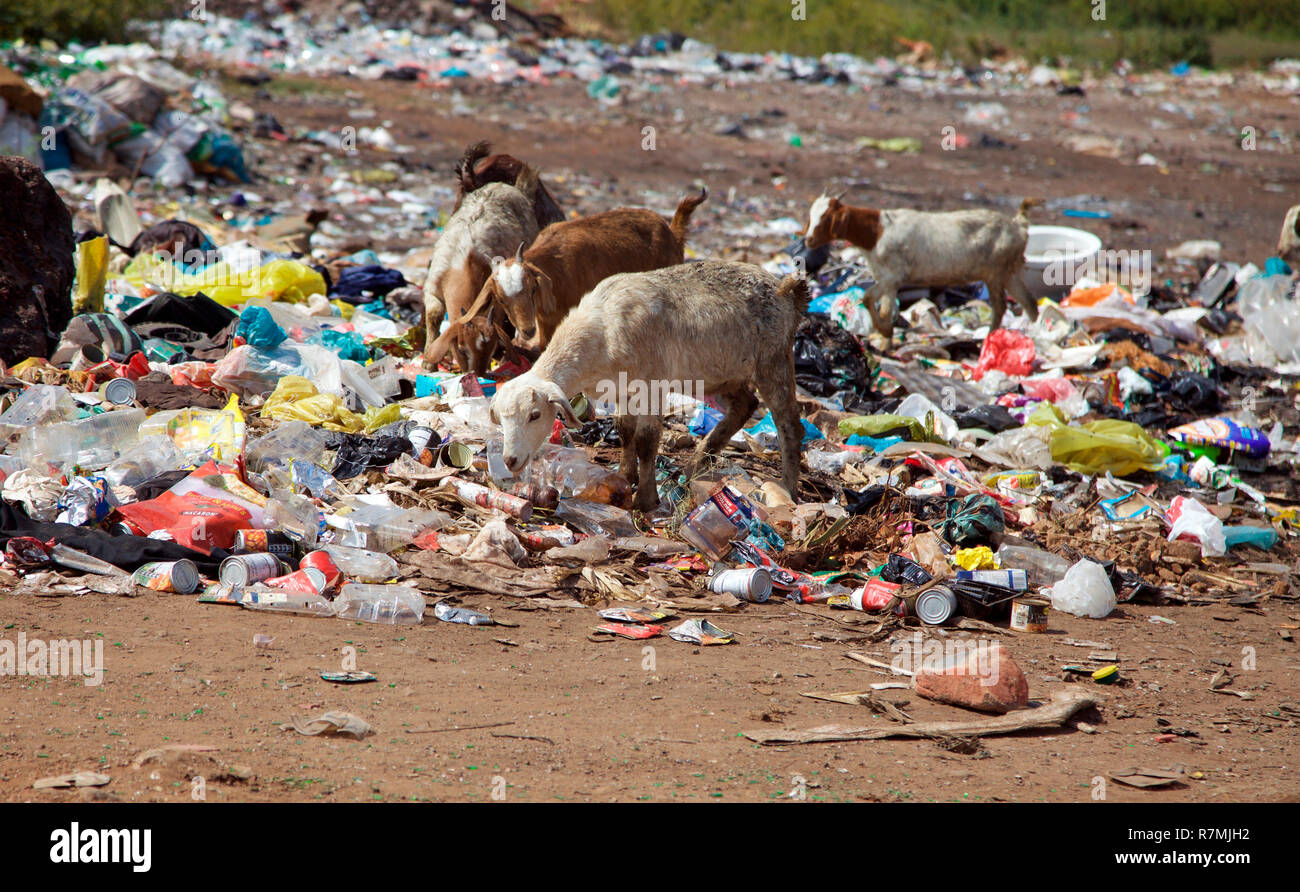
(203, 511)
(26, 551)
(1007, 351)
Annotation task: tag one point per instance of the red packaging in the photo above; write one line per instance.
(875, 595)
(307, 582)
(203, 511)
(321, 560)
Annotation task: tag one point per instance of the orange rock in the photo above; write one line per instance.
(982, 678)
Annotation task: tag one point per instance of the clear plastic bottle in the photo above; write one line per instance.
(573, 474)
(296, 440)
(361, 564)
(91, 443)
(144, 460)
(1041, 567)
(390, 605)
(259, 597)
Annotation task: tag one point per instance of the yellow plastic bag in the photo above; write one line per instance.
(980, 557)
(286, 280)
(297, 399)
(377, 416)
(92, 270)
(1120, 447)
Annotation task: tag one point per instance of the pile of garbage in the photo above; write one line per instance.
(244, 425)
(104, 106)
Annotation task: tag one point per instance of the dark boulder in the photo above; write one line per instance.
(36, 262)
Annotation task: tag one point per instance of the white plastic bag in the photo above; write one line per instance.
(1085, 591)
(1189, 519)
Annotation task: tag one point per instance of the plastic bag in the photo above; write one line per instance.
(1007, 351)
(1024, 447)
(1099, 447)
(286, 280)
(92, 269)
(973, 520)
(297, 399)
(1085, 591)
(1189, 519)
(258, 328)
(203, 511)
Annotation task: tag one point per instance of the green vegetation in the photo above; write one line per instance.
(1146, 32)
(86, 21)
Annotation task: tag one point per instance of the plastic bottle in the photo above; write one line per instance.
(573, 474)
(38, 404)
(361, 564)
(1041, 567)
(144, 460)
(296, 440)
(91, 443)
(389, 605)
(399, 530)
(259, 597)
(596, 519)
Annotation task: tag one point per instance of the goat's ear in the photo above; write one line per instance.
(565, 411)
(492, 412)
(545, 293)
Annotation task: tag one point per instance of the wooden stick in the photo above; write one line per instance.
(1050, 715)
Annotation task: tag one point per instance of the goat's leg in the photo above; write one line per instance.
(889, 314)
(871, 300)
(1023, 297)
(648, 431)
(997, 301)
(776, 386)
(737, 405)
(627, 466)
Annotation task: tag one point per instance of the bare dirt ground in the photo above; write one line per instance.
(564, 717)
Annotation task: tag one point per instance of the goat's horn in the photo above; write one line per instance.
(519, 255)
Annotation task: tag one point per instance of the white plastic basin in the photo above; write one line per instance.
(1055, 256)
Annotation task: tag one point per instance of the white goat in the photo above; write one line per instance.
(727, 325)
(928, 248)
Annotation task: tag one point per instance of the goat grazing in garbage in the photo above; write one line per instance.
(906, 247)
(728, 325)
(537, 288)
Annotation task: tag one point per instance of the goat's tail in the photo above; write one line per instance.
(1027, 204)
(682, 216)
(795, 290)
(474, 153)
(528, 181)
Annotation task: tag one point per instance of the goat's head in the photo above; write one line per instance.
(526, 408)
(524, 292)
(822, 218)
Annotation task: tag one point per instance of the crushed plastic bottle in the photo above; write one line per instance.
(390, 605)
(361, 564)
(1041, 567)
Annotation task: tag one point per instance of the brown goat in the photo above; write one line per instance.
(538, 287)
(477, 168)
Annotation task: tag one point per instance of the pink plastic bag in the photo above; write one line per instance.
(1007, 351)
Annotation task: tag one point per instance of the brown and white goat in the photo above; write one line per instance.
(477, 168)
(537, 288)
(491, 222)
(929, 248)
(727, 326)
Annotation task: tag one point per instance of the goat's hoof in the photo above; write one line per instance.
(645, 505)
